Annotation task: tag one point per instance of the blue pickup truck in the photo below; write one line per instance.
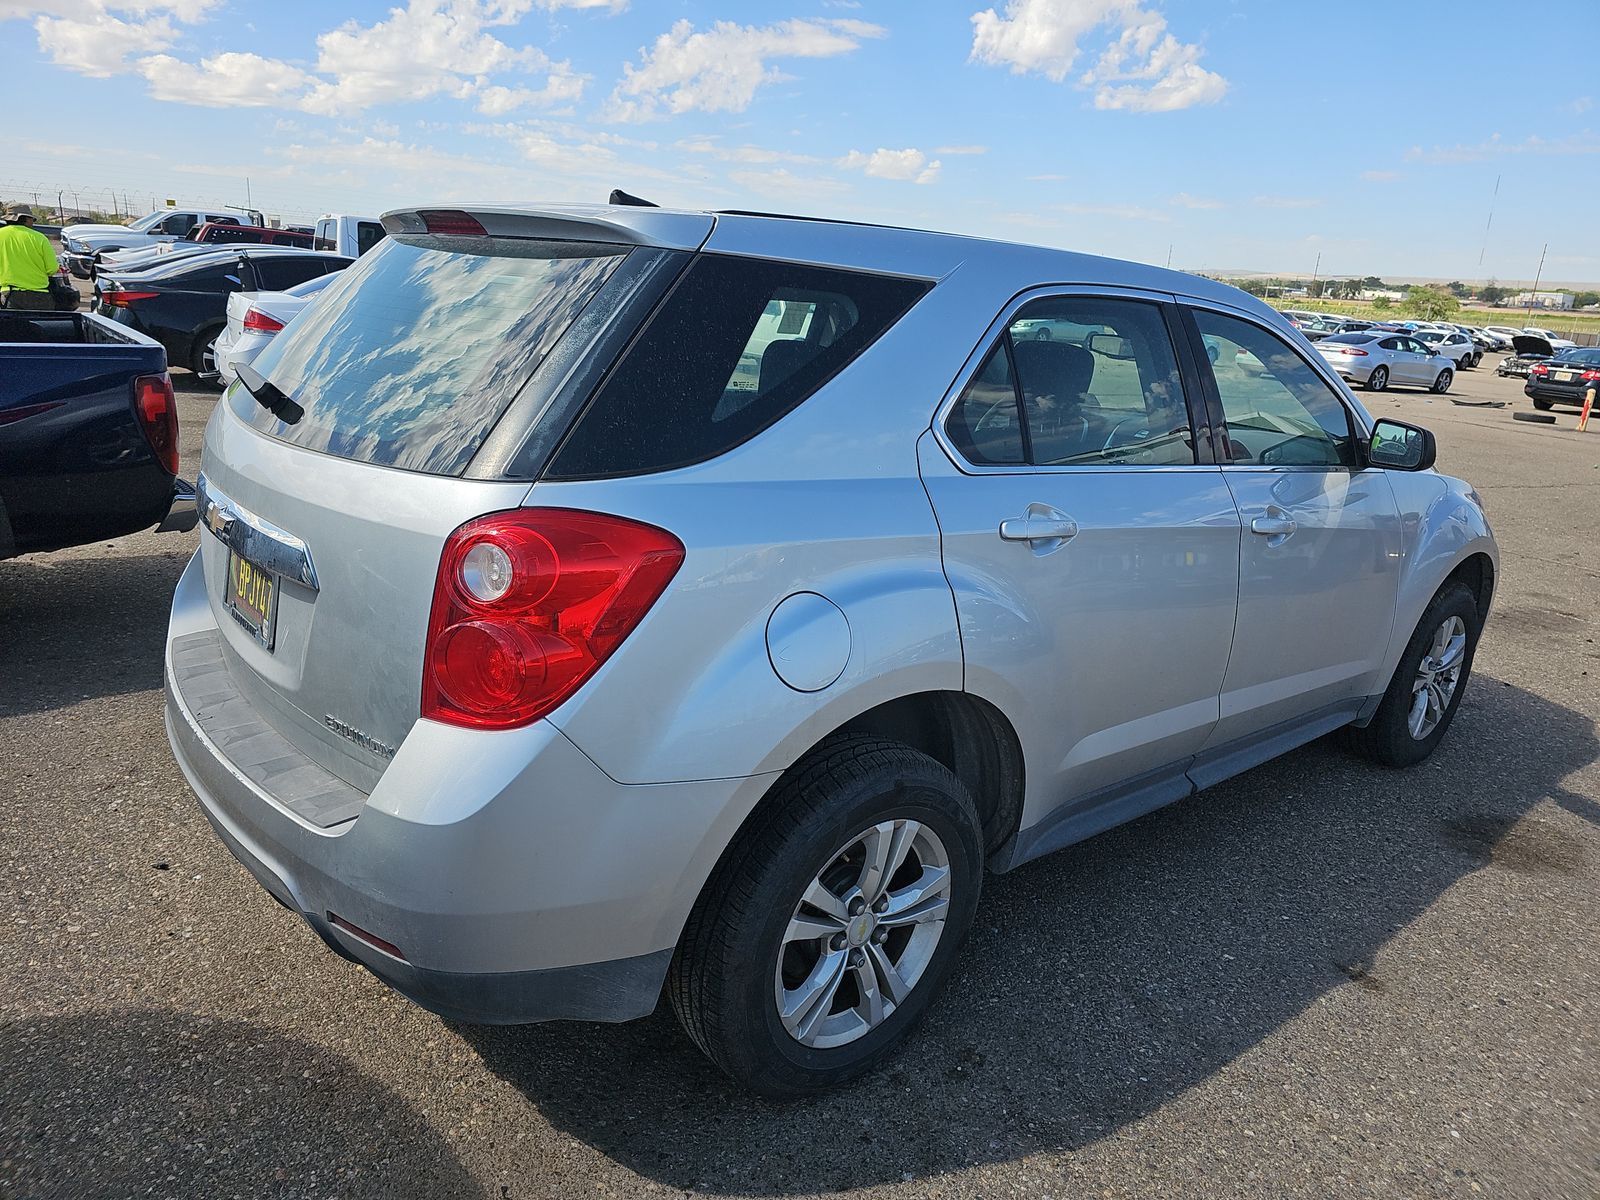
(88, 433)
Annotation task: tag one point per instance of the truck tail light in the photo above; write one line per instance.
(260, 322)
(157, 407)
(529, 603)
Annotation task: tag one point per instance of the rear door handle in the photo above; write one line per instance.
(1276, 526)
(1043, 526)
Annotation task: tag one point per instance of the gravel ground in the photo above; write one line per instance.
(1320, 979)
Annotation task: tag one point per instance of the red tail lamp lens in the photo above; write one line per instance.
(261, 322)
(158, 417)
(529, 603)
(452, 221)
(1538, 369)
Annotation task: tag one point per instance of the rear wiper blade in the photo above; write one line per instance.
(272, 398)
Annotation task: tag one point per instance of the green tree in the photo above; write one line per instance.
(1456, 288)
(1429, 303)
(1382, 304)
(1492, 293)
(1585, 299)
(1372, 282)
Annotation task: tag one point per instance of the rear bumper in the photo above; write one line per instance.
(183, 513)
(517, 881)
(1557, 393)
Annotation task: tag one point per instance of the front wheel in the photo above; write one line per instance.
(1378, 380)
(1442, 384)
(1428, 683)
(832, 921)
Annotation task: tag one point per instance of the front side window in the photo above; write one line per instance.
(1277, 411)
(1093, 382)
(739, 343)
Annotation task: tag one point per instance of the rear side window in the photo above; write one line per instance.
(425, 348)
(739, 343)
(368, 235)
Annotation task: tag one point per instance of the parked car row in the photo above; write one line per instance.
(85, 247)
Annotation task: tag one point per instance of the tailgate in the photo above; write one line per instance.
(338, 670)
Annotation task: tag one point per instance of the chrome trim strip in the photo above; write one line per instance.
(254, 538)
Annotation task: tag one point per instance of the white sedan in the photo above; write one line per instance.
(1454, 345)
(255, 318)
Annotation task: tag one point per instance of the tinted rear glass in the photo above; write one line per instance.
(419, 348)
(738, 343)
(1351, 339)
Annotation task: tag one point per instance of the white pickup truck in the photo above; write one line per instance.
(81, 243)
(342, 233)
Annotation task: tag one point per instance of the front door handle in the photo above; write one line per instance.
(1276, 526)
(1044, 527)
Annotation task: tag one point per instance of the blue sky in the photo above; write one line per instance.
(1242, 134)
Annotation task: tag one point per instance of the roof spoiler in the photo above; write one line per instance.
(621, 225)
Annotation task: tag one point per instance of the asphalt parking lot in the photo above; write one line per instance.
(1319, 979)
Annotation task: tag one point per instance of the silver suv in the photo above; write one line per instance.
(601, 601)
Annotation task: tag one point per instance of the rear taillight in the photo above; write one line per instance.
(451, 221)
(261, 322)
(1590, 376)
(1538, 369)
(1352, 351)
(158, 417)
(121, 299)
(529, 603)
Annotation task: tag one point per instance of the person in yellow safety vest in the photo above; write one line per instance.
(26, 263)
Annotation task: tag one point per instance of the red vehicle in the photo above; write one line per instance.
(264, 235)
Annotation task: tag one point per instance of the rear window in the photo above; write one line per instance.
(1351, 339)
(739, 343)
(419, 353)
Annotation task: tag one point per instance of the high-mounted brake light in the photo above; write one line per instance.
(261, 322)
(529, 603)
(157, 408)
(451, 221)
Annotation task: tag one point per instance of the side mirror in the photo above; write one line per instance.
(1397, 446)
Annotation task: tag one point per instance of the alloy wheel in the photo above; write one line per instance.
(863, 934)
(1379, 379)
(1442, 384)
(1438, 675)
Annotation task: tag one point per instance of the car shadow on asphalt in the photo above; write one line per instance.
(1102, 981)
(77, 627)
(162, 1103)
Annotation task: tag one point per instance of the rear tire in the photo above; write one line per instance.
(749, 947)
(1378, 380)
(1542, 405)
(204, 358)
(1396, 737)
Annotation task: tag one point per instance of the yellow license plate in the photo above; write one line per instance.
(251, 595)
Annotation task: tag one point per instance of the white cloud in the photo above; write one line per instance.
(1122, 212)
(562, 86)
(98, 43)
(783, 184)
(224, 81)
(428, 48)
(909, 164)
(1185, 200)
(741, 154)
(720, 69)
(1143, 69)
(1583, 143)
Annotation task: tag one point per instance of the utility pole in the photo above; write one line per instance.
(1314, 273)
(61, 212)
(1169, 256)
(1538, 275)
(1485, 248)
